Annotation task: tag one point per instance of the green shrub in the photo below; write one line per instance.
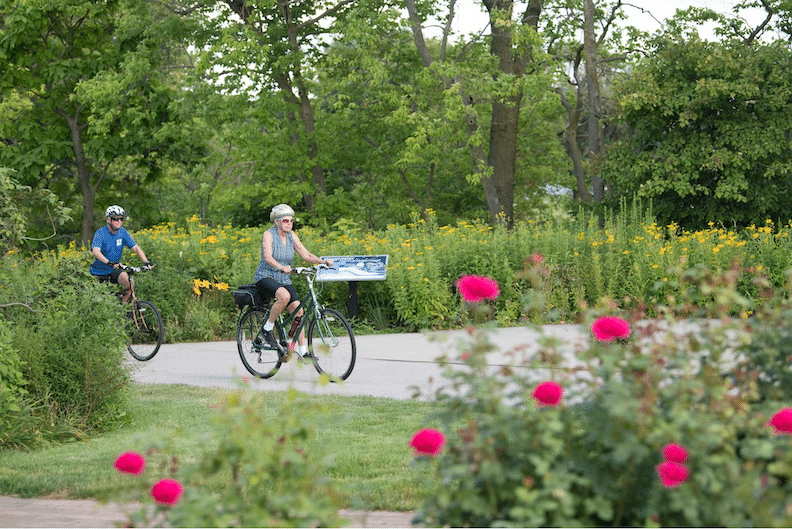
(710, 385)
(255, 471)
(73, 347)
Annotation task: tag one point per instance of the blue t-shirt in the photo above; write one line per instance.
(111, 246)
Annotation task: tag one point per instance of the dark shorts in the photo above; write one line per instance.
(268, 286)
(112, 276)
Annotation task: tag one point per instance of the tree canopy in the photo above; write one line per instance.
(354, 110)
(710, 129)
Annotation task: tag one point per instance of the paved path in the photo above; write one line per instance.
(388, 365)
(16, 512)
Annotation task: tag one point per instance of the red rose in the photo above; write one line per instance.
(428, 442)
(548, 393)
(130, 463)
(167, 491)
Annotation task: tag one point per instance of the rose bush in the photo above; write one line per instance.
(665, 423)
(255, 471)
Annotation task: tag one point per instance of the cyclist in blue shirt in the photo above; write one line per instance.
(108, 245)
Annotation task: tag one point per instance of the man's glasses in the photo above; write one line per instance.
(117, 218)
(287, 220)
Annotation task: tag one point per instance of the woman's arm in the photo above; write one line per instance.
(307, 256)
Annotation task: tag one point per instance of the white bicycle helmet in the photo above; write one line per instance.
(280, 211)
(115, 211)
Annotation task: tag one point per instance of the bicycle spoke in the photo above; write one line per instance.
(332, 344)
(258, 357)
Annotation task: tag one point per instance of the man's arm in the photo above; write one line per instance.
(139, 251)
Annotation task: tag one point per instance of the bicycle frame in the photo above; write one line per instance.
(309, 304)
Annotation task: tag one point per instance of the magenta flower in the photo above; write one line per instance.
(536, 258)
(130, 463)
(428, 442)
(167, 491)
(477, 288)
(548, 393)
(671, 474)
(674, 452)
(610, 328)
(782, 421)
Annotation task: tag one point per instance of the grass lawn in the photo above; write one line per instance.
(367, 438)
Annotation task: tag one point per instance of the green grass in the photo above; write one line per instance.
(366, 437)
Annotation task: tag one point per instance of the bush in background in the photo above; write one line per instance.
(67, 332)
(630, 262)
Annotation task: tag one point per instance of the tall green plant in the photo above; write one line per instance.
(72, 345)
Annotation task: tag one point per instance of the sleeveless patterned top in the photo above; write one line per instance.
(283, 253)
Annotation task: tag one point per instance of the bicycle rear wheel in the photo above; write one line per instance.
(146, 331)
(259, 358)
(332, 345)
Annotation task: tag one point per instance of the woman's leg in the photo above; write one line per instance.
(282, 298)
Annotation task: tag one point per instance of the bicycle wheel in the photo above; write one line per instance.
(146, 331)
(332, 345)
(259, 358)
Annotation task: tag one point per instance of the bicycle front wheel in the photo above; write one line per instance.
(146, 331)
(258, 357)
(332, 345)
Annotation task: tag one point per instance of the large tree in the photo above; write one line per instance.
(261, 46)
(81, 90)
(711, 126)
(513, 81)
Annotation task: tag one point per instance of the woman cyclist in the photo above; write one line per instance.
(278, 245)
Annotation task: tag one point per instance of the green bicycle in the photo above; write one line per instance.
(331, 342)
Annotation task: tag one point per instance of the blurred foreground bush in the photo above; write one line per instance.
(710, 385)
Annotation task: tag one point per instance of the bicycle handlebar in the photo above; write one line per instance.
(134, 269)
(311, 269)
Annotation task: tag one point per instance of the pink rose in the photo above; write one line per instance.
(671, 474)
(548, 393)
(167, 491)
(477, 288)
(130, 463)
(782, 421)
(610, 328)
(674, 452)
(428, 442)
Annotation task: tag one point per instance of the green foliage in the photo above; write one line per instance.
(16, 204)
(256, 470)
(591, 460)
(71, 342)
(710, 130)
(86, 107)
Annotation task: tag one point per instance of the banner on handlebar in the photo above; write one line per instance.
(355, 268)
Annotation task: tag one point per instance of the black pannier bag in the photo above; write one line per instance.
(246, 295)
(250, 295)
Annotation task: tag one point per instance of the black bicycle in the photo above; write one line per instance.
(331, 342)
(143, 320)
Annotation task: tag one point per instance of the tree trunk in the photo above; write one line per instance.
(594, 103)
(573, 148)
(83, 178)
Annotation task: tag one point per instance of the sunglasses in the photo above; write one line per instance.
(117, 218)
(287, 220)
